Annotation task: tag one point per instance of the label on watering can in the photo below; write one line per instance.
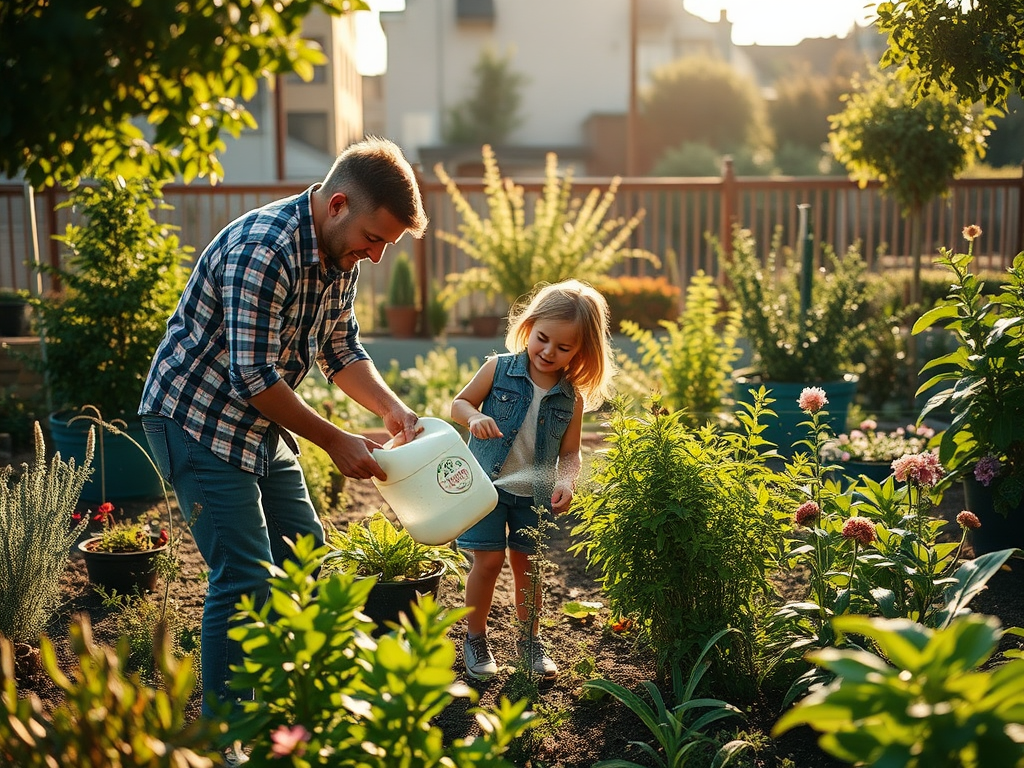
(454, 475)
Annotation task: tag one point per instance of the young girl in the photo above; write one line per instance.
(524, 411)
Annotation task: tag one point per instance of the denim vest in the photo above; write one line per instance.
(507, 403)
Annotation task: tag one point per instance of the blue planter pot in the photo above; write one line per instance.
(785, 430)
(124, 468)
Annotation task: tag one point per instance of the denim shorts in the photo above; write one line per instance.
(507, 525)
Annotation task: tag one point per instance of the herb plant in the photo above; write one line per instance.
(37, 530)
(375, 547)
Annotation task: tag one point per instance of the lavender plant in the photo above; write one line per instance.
(36, 533)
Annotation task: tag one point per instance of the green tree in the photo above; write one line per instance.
(973, 48)
(704, 101)
(77, 76)
(491, 114)
(913, 145)
(799, 115)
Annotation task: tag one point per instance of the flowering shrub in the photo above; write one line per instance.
(984, 374)
(124, 536)
(869, 444)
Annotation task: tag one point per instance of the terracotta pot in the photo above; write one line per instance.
(389, 598)
(126, 572)
(486, 326)
(402, 322)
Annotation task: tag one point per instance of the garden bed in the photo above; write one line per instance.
(574, 732)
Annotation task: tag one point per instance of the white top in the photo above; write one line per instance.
(517, 473)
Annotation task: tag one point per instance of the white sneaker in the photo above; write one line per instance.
(533, 651)
(480, 663)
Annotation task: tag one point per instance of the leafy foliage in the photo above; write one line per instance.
(927, 701)
(972, 49)
(691, 364)
(680, 526)
(702, 100)
(107, 717)
(86, 72)
(429, 386)
(983, 374)
(375, 547)
(789, 345)
(36, 534)
(914, 147)
(121, 281)
(357, 701)
(567, 237)
(679, 730)
(491, 113)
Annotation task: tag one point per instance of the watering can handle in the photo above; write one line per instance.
(385, 454)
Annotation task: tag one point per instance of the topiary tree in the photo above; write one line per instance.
(491, 113)
(914, 145)
(80, 77)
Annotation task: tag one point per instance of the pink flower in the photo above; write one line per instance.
(806, 513)
(860, 529)
(812, 399)
(920, 468)
(869, 425)
(987, 470)
(289, 740)
(967, 519)
(971, 232)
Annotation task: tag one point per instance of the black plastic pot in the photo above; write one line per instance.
(390, 598)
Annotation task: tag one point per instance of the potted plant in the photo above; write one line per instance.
(401, 307)
(121, 279)
(804, 328)
(122, 556)
(565, 237)
(14, 312)
(404, 568)
(869, 451)
(984, 377)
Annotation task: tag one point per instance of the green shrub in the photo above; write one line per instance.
(108, 718)
(37, 532)
(691, 364)
(401, 282)
(928, 702)
(680, 527)
(645, 301)
(121, 282)
(432, 383)
(350, 699)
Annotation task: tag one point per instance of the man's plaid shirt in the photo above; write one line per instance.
(258, 307)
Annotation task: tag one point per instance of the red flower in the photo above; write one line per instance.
(860, 529)
(163, 537)
(806, 513)
(968, 519)
(103, 512)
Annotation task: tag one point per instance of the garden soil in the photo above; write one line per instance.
(575, 730)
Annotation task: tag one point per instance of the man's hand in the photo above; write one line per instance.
(351, 454)
(402, 424)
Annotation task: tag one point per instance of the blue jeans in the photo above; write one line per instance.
(241, 522)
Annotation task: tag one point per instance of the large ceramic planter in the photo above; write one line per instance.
(785, 430)
(126, 572)
(128, 473)
(389, 598)
(997, 531)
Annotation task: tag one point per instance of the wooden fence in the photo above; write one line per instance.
(679, 214)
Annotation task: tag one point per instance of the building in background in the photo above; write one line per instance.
(319, 118)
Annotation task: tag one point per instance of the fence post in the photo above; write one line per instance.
(729, 204)
(1020, 216)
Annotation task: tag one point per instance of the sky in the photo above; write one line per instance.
(765, 22)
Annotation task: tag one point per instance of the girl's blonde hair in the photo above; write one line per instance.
(592, 368)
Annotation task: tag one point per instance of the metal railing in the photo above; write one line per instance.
(680, 214)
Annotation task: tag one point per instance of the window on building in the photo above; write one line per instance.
(309, 128)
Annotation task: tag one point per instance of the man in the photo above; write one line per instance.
(272, 294)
